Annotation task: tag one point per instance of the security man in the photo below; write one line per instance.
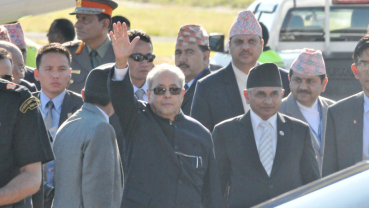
(94, 47)
(24, 144)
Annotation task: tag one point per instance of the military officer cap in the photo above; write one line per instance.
(95, 7)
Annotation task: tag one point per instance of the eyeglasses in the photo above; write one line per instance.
(7, 77)
(172, 90)
(140, 57)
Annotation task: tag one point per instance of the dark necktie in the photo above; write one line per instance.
(49, 116)
(93, 56)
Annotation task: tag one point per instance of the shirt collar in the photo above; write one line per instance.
(190, 83)
(144, 87)
(314, 107)
(58, 100)
(105, 115)
(101, 50)
(255, 119)
(366, 103)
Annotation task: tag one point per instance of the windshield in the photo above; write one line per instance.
(308, 24)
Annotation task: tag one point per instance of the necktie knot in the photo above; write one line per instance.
(139, 94)
(264, 124)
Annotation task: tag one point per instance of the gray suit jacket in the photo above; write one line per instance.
(81, 64)
(290, 108)
(87, 166)
(344, 134)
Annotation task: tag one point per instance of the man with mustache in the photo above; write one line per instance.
(308, 79)
(347, 134)
(219, 96)
(192, 57)
(94, 46)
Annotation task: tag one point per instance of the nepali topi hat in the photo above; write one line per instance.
(264, 75)
(309, 62)
(245, 24)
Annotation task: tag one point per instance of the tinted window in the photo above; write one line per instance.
(308, 24)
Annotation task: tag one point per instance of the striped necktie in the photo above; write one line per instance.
(266, 148)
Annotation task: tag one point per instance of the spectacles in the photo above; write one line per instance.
(140, 57)
(7, 77)
(172, 90)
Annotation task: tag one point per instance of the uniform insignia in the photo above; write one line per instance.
(11, 86)
(77, 71)
(80, 47)
(29, 104)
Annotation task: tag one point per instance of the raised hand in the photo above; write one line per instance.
(121, 45)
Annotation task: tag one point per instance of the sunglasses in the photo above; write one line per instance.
(172, 90)
(140, 57)
(7, 77)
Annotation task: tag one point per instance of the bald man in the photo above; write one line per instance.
(18, 65)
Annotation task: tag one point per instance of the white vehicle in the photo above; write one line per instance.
(332, 26)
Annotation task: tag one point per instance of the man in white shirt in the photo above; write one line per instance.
(140, 63)
(219, 96)
(262, 154)
(347, 132)
(192, 57)
(308, 79)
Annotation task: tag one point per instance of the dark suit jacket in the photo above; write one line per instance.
(344, 134)
(160, 174)
(29, 75)
(30, 86)
(188, 97)
(239, 163)
(71, 103)
(217, 97)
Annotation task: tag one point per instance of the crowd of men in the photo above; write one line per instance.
(96, 124)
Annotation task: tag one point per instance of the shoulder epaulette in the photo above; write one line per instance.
(28, 102)
(80, 47)
(72, 43)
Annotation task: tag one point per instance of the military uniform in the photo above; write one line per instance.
(81, 63)
(23, 135)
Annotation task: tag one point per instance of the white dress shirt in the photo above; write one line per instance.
(241, 79)
(312, 116)
(258, 130)
(366, 128)
(144, 87)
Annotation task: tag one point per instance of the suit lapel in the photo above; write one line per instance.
(283, 137)
(293, 109)
(355, 123)
(324, 106)
(67, 107)
(191, 91)
(232, 90)
(251, 153)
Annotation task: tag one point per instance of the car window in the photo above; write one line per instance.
(308, 24)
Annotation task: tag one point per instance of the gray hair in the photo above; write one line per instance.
(157, 70)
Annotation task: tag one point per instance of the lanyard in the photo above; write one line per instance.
(198, 76)
(319, 134)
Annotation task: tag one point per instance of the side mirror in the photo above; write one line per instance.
(216, 42)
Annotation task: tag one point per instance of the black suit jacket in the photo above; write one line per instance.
(188, 97)
(217, 97)
(71, 103)
(158, 173)
(240, 167)
(344, 134)
(29, 75)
